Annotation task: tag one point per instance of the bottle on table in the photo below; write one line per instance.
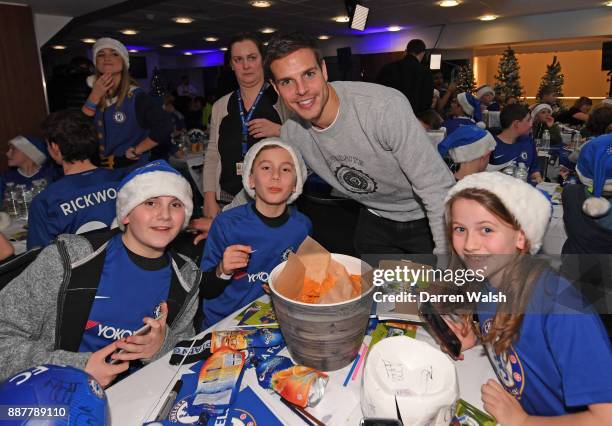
(521, 172)
(546, 140)
(9, 204)
(24, 199)
(510, 169)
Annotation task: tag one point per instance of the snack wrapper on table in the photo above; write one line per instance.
(312, 276)
(468, 415)
(243, 339)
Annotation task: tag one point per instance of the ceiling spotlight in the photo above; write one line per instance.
(342, 19)
(449, 3)
(128, 31)
(88, 40)
(608, 3)
(183, 20)
(268, 30)
(58, 47)
(394, 28)
(488, 17)
(212, 39)
(261, 3)
(223, 49)
(265, 43)
(358, 14)
(167, 45)
(133, 51)
(323, 37)
(187, 53)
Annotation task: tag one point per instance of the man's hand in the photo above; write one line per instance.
(102, 371)
(235, 257)
(147, 345)
(202, 225)
(503, 406)
(263, 128)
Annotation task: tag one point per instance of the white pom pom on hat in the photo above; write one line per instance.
(594, 169)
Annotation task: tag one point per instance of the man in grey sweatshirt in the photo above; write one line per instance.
(365, 141)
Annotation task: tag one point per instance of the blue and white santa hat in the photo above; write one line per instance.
(156, 179)
(34, 148)
(483, 90)
(471, 106)
(595, 171)
(467, 143)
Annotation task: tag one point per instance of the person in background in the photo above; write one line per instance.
(430, 119)
(511, 100)
(63, 307)
(248, 241)
(578, 114)
(27, 159)
(207, 110)
(544, 120)
(193, 116)
(548, 348)
(364, 140)
(599, 122)
(186, 89)
(178, 120)
(128, 122)
(446, 93)
(548, 95)
(514, 142)
(84, 199)
(469, 149)
(465, 111)
(587, 252)
(239, 119)
(410, 77)
(486, 96)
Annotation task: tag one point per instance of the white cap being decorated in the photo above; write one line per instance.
(300, 166)
(528, 205)
(483, 90)
(540, 107)
(111, 43)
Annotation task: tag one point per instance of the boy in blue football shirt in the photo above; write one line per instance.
(84, 199)
(514, 143)
(245, 243)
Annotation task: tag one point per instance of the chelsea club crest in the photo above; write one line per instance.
(119, 117)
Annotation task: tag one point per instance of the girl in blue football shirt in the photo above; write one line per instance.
(551, 355)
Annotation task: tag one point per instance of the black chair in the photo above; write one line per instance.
(14, 265)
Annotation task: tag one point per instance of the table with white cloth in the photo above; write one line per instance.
(139, 397)
(17, 233)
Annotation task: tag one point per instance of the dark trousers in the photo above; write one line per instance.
(377, 235)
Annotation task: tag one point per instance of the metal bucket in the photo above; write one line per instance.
(324, 336)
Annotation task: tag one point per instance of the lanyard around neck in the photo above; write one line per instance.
(245, 118)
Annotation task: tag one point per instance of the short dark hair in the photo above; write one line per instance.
(73, 132)
(582, 100)
(548, 90)
(416, 46)
(285, 44)
(244, 37)
(431, 118)
(599, 120)
(511, 113)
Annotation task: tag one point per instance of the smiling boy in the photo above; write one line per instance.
(83, 297)
(245, 243)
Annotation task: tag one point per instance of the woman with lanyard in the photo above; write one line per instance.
(239, 120)
(128, 122)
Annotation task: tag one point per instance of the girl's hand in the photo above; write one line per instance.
(147, 345)
(464, 332)
(102, 371)
(235, 257)
(503, 406)
(102, 85)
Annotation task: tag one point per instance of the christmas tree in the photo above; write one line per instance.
(552, 78)
(157, 86)
(508, 79)
(465, 79)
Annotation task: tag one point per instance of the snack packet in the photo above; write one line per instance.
(243, 339)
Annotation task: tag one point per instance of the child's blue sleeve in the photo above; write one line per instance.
(216, 243)
(40, 232)
(534, 167)
(582, 351)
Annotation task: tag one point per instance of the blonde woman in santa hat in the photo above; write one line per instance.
(128, 122)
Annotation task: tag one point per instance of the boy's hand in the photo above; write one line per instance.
(147, 345)
(102, 371)
(202, 225)
(464, 332)
(263, 128)
(235, 257)
(503, 406)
